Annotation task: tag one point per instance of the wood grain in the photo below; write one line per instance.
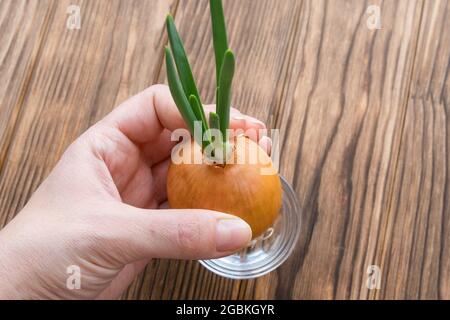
(415, 257)
(342, 120)
(23, 25)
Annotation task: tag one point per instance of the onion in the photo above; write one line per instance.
(248, 189)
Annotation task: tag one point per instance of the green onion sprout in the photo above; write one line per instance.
(182, 84)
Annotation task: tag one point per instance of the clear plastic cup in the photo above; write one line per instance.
(267, 252)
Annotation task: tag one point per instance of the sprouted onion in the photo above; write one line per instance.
(242, 188)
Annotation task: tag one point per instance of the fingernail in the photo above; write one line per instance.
(266, 143)
(232, 234)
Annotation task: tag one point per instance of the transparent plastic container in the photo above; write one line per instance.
(267, 252)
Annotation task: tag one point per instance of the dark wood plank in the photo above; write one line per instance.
(23, 25)
(341, 120)
(262, 35)
(415, 257)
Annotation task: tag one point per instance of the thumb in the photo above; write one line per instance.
(183, 234)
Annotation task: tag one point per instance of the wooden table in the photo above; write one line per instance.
(364, 116)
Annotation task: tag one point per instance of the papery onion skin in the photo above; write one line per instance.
(239, 189)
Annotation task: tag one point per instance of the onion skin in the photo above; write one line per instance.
(238, 188)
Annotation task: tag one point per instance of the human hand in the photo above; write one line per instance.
(103, 209)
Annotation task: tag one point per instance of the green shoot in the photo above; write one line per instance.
(185, 75)
(224, 95)
(181, 60)
(182, 84)
(214, 121)
(176, 89)
(219, 32)
(200, 115)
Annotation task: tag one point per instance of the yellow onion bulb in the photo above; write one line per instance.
(249, 187)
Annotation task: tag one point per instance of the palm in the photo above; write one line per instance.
(139, 171)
